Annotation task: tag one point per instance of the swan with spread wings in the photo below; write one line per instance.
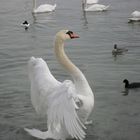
(67, 104)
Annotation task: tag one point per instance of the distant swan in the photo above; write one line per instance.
(135, 16)
(118, 51)
(67, 104)
(131, 85)
(43, 8)
(94, 7)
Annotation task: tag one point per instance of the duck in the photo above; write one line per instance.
(131, 85)
(44, 8)
(25, 24)
(135, 17)
(118, 51)
(66, 105)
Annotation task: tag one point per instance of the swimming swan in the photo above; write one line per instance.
(67, 104)
(135, 16)
(94, 7)
(43, 8)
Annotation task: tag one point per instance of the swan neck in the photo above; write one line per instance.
(81, 84)
(65, 61)
(84, 4)
(34, 5)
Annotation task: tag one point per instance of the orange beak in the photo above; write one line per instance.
(74, 36)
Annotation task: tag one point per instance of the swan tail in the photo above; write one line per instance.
(38, 134)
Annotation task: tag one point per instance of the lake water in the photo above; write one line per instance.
(115, 117)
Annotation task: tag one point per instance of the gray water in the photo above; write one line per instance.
(115, 116)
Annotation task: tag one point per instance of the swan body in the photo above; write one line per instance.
(135, 16)
(92, 1)
(67, 104)
(43, 8)
(96, 8)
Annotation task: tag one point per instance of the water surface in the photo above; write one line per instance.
(115, 117)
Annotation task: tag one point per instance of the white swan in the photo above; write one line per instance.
(94, 7)
(43, 8)
(67, 105)
(135, 16)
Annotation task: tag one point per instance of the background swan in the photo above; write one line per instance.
(67, 104)
(94, 7)
(43, 8)
(135, 16)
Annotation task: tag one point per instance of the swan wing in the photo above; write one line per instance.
(62, 111)
(46, 8)
(136, 14)
(97, 7)
(42, 84)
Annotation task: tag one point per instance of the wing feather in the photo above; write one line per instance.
(42, 84)
(62, 111)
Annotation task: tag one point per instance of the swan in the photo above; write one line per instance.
(135, 16)
(43, 8)
(67, 104)
(131, 85)
(95, 7)
(118, 51)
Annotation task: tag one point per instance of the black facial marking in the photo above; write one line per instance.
(70, 33)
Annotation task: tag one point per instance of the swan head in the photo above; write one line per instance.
(66, 34)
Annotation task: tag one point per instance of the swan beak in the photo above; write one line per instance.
(73, 35)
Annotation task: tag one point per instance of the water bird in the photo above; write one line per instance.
(131, 85)
(94, 7)
(43, 8)
(118, 51)
(135, 17)
(67, 104)
(25, 24)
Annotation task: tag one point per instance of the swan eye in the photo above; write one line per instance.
(70, 33)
